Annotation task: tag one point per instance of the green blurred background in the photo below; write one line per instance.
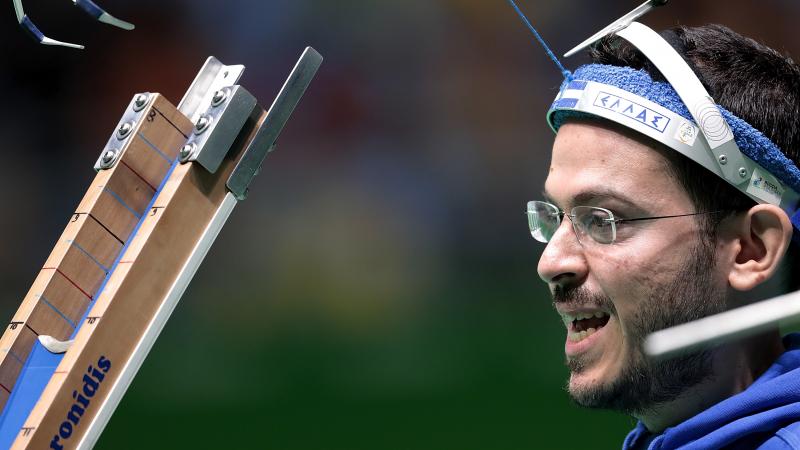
(378, 289)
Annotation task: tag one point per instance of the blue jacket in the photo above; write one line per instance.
(764, 416)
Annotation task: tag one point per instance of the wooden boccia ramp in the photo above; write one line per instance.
(167, 180)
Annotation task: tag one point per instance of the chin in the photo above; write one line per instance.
(586, 387)
(600, 366)
(612, 380)
(638, 385)
(592, 393)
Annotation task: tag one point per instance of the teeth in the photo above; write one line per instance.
(569, 318)
(582, 316)
(581, 335)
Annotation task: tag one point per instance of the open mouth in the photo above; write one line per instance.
(582, 325)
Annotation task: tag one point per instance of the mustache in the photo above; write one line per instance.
(581, 296)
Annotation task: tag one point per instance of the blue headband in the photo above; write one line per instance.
(751, 142)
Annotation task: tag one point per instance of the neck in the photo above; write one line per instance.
(735, 367)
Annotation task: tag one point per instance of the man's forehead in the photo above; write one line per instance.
(587, 143)
(592, 162)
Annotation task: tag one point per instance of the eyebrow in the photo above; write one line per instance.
(593, 196)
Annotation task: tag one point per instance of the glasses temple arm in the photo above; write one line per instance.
(636, 219)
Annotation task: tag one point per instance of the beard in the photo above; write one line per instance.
(643, 383)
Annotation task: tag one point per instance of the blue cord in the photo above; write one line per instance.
(567, 74)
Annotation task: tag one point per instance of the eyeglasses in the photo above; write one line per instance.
(599, 224)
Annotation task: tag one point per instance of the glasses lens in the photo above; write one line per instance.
(597, 223)
(543, 220)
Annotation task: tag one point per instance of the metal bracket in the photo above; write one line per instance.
(212, 77)
(272, 125)
(217, 128)
(122, 134)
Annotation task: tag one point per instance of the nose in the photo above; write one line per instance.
(563, 261)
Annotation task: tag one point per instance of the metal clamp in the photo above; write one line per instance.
(217, 128)
(212, 77)
(123, 132)
(272, 125)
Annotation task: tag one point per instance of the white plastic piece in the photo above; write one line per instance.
(18, 9)
(47, 41)
(701, 106)
(53, 345)
(113, 21)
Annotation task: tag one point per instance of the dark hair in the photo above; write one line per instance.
(751, 80)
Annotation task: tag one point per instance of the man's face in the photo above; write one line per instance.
(657, 273)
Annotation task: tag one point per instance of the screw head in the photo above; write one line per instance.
(140, 101)
(124, 130)
(742, 172)
(202, 124)
(723, 159)
(219, 97)
(108, 157)
(186, 152)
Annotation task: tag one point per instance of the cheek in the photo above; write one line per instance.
(630, 274)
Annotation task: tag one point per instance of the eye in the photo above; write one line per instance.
(598, 220)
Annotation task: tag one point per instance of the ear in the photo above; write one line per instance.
(763, 234)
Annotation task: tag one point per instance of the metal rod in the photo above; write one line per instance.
(617, 25)
(736, 323)
(277, 116)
